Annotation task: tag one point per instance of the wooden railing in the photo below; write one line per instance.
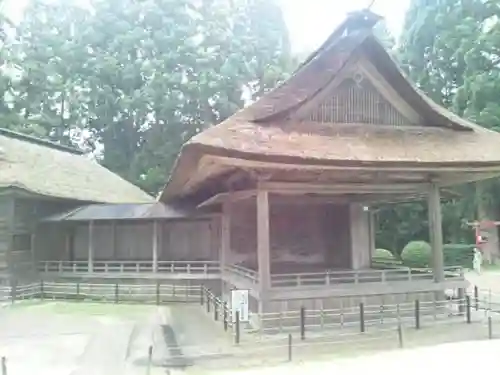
(358, 277)
(170, 267)
(243, 272)
(277, 280)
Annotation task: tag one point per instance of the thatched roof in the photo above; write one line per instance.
(48, 169)
(115, 212)
(271, 130)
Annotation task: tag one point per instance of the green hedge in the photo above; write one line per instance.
(458, 255)
(384, 258)
(384, 254)
(416, 254)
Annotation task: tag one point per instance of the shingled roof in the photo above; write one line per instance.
(48, 169)
(277, 128)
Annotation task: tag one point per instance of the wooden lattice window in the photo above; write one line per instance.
(356, 101)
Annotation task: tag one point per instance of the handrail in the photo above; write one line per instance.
(244, 272)
(361, 276)
(127, 266)
(328, 277)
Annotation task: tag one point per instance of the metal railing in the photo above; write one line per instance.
(357, 277)
(115, 266)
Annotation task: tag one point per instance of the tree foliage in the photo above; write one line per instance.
(134, 79)
(449, 48)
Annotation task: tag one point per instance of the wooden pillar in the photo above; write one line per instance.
(155, 246)
(263, 240)
(360, 236)
(225, 239)
(371, 221)
(215, 238)
(67, 245)
(436, 232)
(91, 247)
(33, 249)
(114, 254)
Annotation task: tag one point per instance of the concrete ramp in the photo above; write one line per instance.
(106, 352)
(192, 335)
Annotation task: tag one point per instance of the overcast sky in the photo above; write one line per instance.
(309, 21)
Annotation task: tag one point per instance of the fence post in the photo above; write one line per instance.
(417, 314)
(289, 347)
(78, 290)
(476, 297)
(400, 335)
(362, 317)
(467, 306)
(157, 292)
(216, 312)
(41, 290)
(490, 327)
(208, 301)
(461, 301)
(13, 291)
(202, 292)
(116, 293)
(150, 359)
(224, 306)
(302, 323)
(4, 366)
(237, 327)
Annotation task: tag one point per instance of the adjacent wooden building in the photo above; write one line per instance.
(39, 178)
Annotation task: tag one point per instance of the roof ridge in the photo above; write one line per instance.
(40, 141)
(369, 18)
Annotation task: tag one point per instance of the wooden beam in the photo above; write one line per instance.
(263, 240)
(206, 168)
(249, 164)
(342, 199)
(233, 196)
(436, 232)
(466, 178)
(354, 188)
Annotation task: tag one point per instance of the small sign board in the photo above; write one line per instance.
(239, 302)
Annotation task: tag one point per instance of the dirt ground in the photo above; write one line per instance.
(75, 338)
(459, 358)
(103, 339)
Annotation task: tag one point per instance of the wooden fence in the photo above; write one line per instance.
(104, 292)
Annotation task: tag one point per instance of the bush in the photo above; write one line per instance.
(383, 254)
(458, 255)
(384, 259)
(417, 254)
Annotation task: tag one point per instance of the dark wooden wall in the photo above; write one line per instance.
(21, 214)
(302, 236)
(129, 240)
